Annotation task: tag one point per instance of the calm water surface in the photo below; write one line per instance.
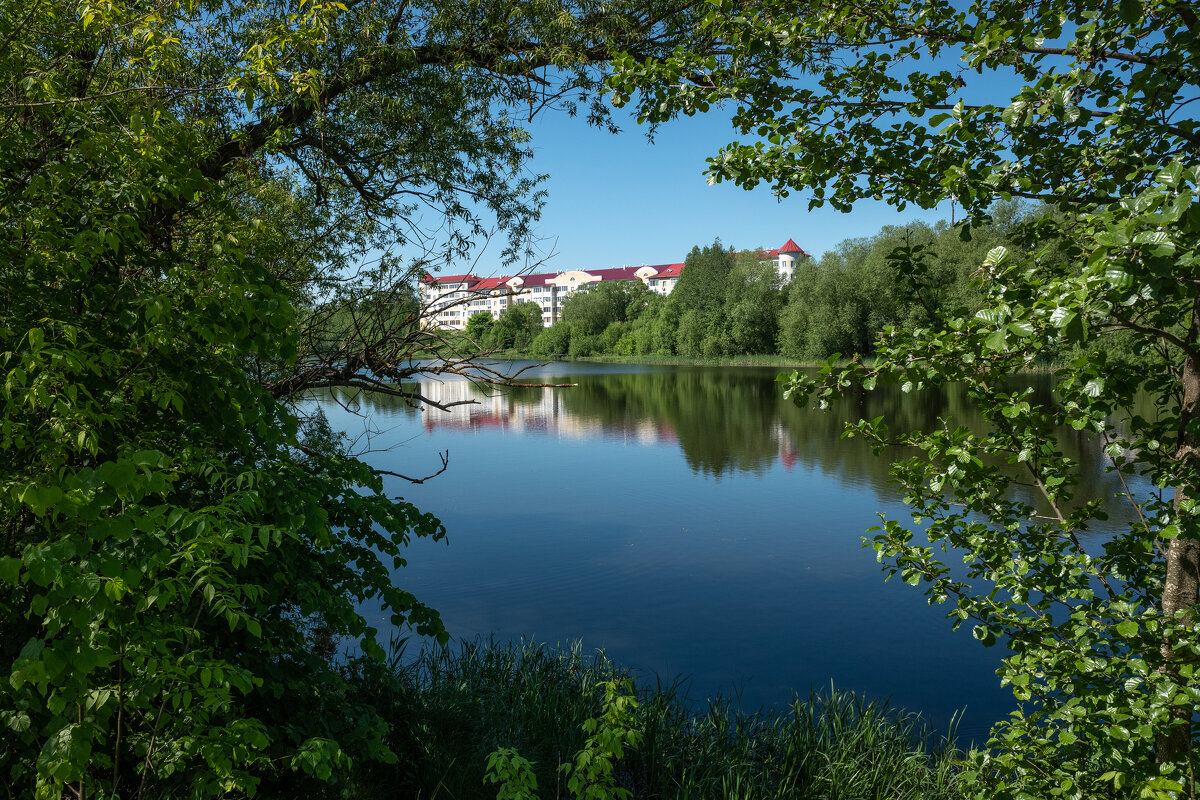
(688, 521)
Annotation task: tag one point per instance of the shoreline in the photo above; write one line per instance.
(680, 361)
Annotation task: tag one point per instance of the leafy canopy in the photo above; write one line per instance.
(1089, 107)
(201, 209)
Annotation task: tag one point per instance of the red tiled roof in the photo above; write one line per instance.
(612, 274)
(788, 247)
(667, 270)
(615, 274)
(449, 278)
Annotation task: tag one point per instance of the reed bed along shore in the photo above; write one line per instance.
(450, 708)
(658, 360)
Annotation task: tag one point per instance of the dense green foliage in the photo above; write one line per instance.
(515, 330)
(201, 204)
(729, 303)
(455, 709)
(168, 547)
(1089, 106)
(703, 283)
(858, 290)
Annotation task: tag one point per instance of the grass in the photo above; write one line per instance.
(449, 708)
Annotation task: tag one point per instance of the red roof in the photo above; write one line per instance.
(789, 247)
(449, 278)
(537, 280)
(668, 270)
(615, 274)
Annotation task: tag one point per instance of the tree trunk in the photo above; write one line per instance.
(1181, 587)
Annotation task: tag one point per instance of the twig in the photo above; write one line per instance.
(444, 456)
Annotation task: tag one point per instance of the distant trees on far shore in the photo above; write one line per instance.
(730, 303)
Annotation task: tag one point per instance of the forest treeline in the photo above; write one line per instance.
(730, 303)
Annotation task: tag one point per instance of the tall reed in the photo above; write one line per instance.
(449, 708)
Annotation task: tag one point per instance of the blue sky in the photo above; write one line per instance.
(618, 199)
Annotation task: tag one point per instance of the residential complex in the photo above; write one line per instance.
(456, 298)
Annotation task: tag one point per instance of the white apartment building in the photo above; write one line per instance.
(452, 299)
(455, 298)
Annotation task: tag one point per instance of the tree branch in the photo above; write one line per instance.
(444, 456)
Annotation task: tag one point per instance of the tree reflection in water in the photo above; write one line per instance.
(691, 521)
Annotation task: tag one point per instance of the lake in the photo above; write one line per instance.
(687, 521)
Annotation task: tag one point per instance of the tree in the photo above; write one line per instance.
(552, 341)
(202, 206)
(665, 327)
(592, 309)
(1086, 106)
(639, 340)
(699, 296)
(517, 326)
(479, 326)
(752, 303)
(701, 285)
(692, 330)
(837, 309)
(901, 277)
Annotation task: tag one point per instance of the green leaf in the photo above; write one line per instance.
(996, 257)
(44, 563)
(984, 635)
(117, 474)
(1152, 237)
(41, 498)
(1127, 628)
(1118, 277)
(1112, 238)
(1171, 174)
(66, 754)
(148, 458)
(1021, 328)
(115, 589)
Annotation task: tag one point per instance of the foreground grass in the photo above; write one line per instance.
(450, 708)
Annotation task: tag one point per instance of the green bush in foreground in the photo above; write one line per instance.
(452, 710)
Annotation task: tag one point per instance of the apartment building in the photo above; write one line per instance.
(455, 298)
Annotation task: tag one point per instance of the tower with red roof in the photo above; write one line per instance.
(785, 259)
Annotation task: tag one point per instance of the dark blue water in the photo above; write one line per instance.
(687, 521)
